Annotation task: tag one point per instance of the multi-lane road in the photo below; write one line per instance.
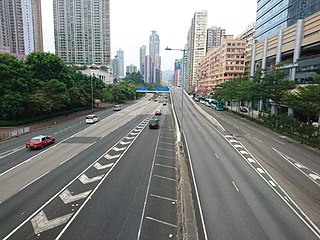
(249, 182)
(117, 179)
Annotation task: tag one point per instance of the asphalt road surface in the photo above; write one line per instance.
(238, 198)
(115, 179)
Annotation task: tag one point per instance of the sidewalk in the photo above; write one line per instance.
(16, 131)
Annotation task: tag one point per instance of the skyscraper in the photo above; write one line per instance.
(214, 35)
(21, 28)
(197, 36)
(143, 52)
(120, 55)
(82, 31)
(154, 46)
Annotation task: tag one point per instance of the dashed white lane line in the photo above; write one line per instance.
(158, 155)
(238, 146)
(217, 156)
(278, 141)
(160, 221)
(164, 198)
(251, 160)
(235, 186)
(166, 166)
(260, 170)
(171, 179)
(272, 183)
(244, 152)
(258, 139)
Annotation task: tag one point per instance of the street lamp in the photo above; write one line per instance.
(91, 92)
(183, 82)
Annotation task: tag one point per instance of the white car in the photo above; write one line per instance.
(116, 107)
(92, 118)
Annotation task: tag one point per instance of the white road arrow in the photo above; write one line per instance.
(98, 166)
(109, 157)
(314, 176)
(41, 223)
(85, 180)
(124, 143)
(67, 197)
(118, 149)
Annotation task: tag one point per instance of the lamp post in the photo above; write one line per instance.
(183, 82)
(91, 92)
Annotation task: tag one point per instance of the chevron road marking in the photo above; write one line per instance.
(124, 143)
(118, 149)
(130, 138)
(134, 133)
(314, 176)
(109, 157)
(41, 223)
(67, 197)
(98, 166)
(85, 180)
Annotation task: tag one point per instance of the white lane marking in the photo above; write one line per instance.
(166, 143)
(158, 155)
(262, 133)
(314, 176)
(235, 186)
(238, 146)
(246, 132)
(124, 143)
(260, 170)
(110, 157)
(166, 166)
(118, 149)
(161, 197)
(89, 145)
(67, 197)
(98, 166)
(68, 159)
(41, 223)
(233, 141)
(258, 139)
(278, 141)
(11, 151)
(272, 183)
(228, 122)
(170, 138)
(217, 156)
(129, 138)
(163, 222)
(300, 165)
(166, 149)
(132, 133)
(171, 179)
(85, 180)
(236, 126)
(34, 180)
(228, 136)
(251, 160)
(244, 152)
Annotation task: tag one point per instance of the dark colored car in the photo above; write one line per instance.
(40, 142)
(244, 110)
(154, 123)
(164, 104)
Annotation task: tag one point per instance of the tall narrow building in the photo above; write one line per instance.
(120, 54)
(82, 31)
(155, 59)
(196, 48)
(21, 28)
(143, 52)
(214, 36)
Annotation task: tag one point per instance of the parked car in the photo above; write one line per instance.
(40, 142)
(116, 107)
(92, 118)
(154, 123)
(158, 112)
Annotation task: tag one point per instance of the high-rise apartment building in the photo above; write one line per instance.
(115, 67)
(131, 69)
(177, 72)
(214, 35)
(21, 27)
(143, 52)
(248, 36)
(82, 31)
(120, 54)
(196, 47)
(221, 64)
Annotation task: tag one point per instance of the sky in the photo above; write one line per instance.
(131, 23)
